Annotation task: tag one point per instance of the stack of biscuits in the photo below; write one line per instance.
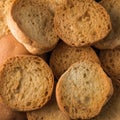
(59, 59)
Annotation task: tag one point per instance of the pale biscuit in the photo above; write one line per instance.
(83, 89)
(31, 22)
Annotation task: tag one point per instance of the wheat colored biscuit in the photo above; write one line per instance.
(113, 39)
(9, 47)
(110, 60)
(63, 56)
(83, 89)
(26, 82)
(31, 27)
(82, 23)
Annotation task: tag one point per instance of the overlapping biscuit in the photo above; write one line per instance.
(82, 22)
(63, 56)
(83, 90)
(113, 39)
(31, 22)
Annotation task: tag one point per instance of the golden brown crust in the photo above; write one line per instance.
(37, 37)
(9, 47)
(26, 82)
(83, 89)
(82, 23)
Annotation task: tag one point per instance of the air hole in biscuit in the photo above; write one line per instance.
(72, 44)
(23, 5)
(87, 99)
(78, 50)
(63, 15)
(29, 15)
(46, 93)
(87, 82)
(28, 104)
(87, 69)
(84, 75)
(109, 27)
(94, 33)
(66, 108)
(83, 42)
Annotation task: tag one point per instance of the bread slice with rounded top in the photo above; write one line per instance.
(31, 22)
(26, 82)
(82, 22)
(63, 56)
(83, 89)
(110, 61)
(10, 47)
(113, 39)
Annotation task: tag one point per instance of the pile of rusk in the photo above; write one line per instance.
(59, 60)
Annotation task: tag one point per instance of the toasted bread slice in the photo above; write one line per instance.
(82, 22)
(7, 113)
(110, 60)
(113, 39)
(63, 56)
(83, 89)
(9, 47)
(31, 22)
(26, 82)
